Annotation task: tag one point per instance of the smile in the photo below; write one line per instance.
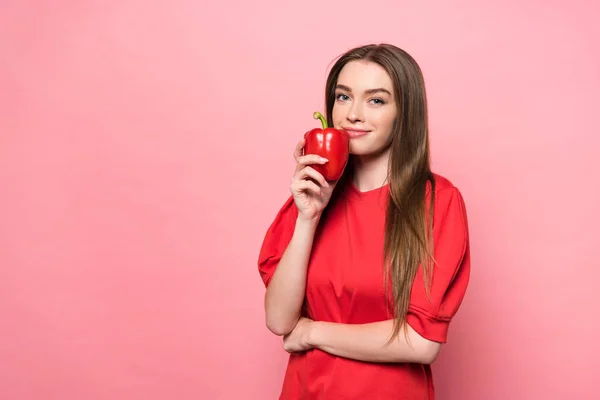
(354, 133)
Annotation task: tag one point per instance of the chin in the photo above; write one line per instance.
(357, 149)
(354, 152)
(364, 149)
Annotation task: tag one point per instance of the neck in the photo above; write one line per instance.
(371, 172)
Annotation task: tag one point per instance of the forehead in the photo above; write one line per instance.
(362, 75)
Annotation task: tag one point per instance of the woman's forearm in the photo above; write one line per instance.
(286, 290)
(367, 342)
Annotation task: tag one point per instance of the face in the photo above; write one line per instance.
(365, 107)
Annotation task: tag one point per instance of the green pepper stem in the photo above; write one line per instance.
(318, 115)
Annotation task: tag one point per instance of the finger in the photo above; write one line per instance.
(298, 149)
(309, 159)
(314, 174)
(306, 185)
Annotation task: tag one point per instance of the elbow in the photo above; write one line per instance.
(430, 352)
(425, 351)
(279, 326)
(278, 329)
(278, 320)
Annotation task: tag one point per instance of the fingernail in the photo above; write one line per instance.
(324, 159)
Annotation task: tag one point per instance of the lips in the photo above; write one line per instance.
(354, 133)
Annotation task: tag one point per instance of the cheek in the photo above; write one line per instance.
(336, 115)
(386, 122)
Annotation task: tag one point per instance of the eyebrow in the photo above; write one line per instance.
(370, 91)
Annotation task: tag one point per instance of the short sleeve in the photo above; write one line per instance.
(276, 240)
(430, 317)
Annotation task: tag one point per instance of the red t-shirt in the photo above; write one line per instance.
(345, 285)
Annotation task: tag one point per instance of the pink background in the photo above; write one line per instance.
(146, 146)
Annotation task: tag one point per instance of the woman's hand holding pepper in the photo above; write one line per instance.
(309, 188)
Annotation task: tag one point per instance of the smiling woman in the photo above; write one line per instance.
(365, 106)
(364, 274)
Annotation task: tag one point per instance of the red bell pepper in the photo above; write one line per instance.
(331, 143)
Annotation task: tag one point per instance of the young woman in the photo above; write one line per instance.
(363, 275)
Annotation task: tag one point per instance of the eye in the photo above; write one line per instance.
(378, 101)
(342, 97)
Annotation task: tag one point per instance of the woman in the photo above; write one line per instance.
(363, 275)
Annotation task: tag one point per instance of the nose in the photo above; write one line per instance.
(355, 113)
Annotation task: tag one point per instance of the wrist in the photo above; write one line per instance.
(309, 223)
(315, 334)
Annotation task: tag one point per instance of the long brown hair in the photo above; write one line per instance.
(408, 229)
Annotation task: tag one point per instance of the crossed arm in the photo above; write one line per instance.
(364, 342)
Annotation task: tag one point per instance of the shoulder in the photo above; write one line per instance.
(445, 189)
(449, 203)
(288, 206)
(286, 214)
(442, 183)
